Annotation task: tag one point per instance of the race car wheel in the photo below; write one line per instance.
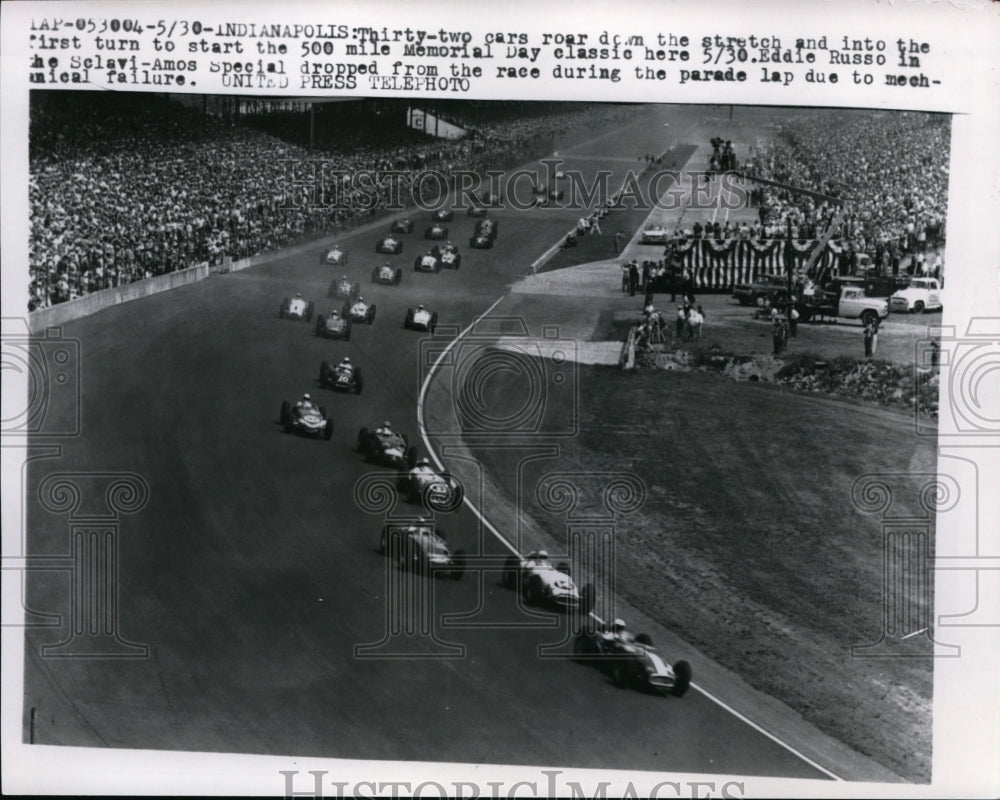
(371, 315)
(397, 277)
(322, 411)
(509, 576)
(458, 262)
(434, 322)
(411, 457)
(587, 598)
(401, 482)
(324, 368)
(333, 289)
(619, 674)
(346, 309)
(309, 311)
(359, 382)
(282, 307)
(286, 413)
(644, 638)
(375, 275)
(328, 430)
(347, 331)
(319, 326)
(409, 318)
(682, 678)
(529, 594)
(362, 440)
(458, 568)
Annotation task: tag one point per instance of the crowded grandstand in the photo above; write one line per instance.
(127, 187)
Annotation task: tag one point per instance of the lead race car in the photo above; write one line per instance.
(334, 255)
(421, 547)
(344, 376)
(631, 661)
(343, 288)
(386, 275)
(420, 319)
(334, 326)
(443, 215)
(306, 418)
(389, 244)
(423, 484)
(296, 308)
(436, 232)
(359, 310)
(447, 255)
(404, 225)
(428, 262)
(383, 445)
(488, 227)
(542, 584)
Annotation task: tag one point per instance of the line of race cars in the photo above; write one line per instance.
(420, 545)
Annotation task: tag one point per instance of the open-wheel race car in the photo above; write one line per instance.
(343, 376)
(296, 308)
(447, 255)
(420, 319)
(442, 215)
(389, 244)
(334, 326)
(404, 225)
(306, 418)
(359, 310)
(479, 241)
(488, 227)
(435, 490)
(387, 275)
(334, 255)
(343, 288)
(631, 661)
(421, 547)
(543, 584)
(428, 262)
(383, 445)
(436, 232)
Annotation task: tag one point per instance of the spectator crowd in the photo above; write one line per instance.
(126, 187)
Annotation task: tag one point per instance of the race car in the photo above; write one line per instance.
(296, 308)
(631, 661)
(344, 377)
(359, 310)
(442, 215)
(385, 446)
(436, 232)
(420, 319)
(387, 275)
(480, 241)
(306, 418)
(335, 255)
(542, 584)
(419, 547)
(344, 288)
(488, 227)
(389, 244)
(428, 262)
(654, 234)
(404, 225)
(423, 484)
(476, 210)
(334, 326)
(555, 194)
(447, 255)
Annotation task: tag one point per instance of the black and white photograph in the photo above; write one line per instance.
(418, 438)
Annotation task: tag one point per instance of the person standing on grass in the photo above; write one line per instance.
(871, 339)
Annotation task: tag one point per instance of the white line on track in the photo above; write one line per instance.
(506, 542)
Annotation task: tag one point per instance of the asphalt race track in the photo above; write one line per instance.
(252, 573)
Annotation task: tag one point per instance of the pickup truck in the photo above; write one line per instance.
(923, 294)
(851, 303)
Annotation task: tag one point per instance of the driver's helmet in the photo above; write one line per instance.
(360, 299)
(423, 463)
(386, 264)
(541, 555)
(618, 625)
(420, 308)
(334, 312)
(306, 397)
(345, 360)
(298, 295)
(386, 424)
(343, 277)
